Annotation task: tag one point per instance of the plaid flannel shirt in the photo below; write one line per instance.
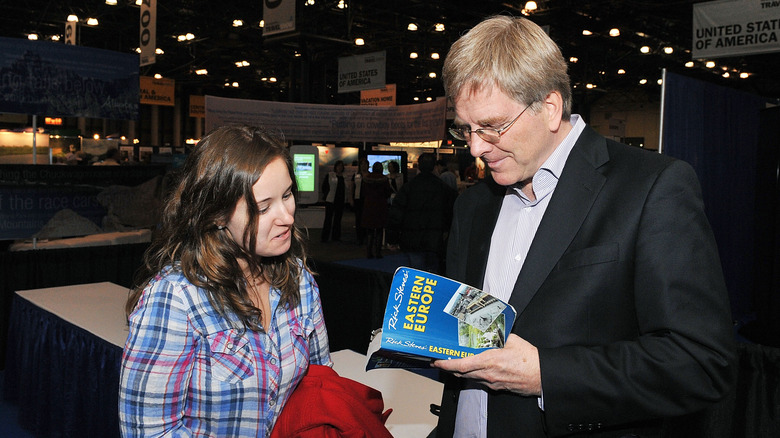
(188, 371)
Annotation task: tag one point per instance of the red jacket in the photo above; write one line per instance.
(326, 405)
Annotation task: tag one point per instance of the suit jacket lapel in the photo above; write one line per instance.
(574, 195)
(481, 232)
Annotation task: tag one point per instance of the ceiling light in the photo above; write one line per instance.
(438, 27)
(668, 50)
(644, 49)
(262, 23)
(32, 37)
(242, 63)
(429, 98)
(590, 86)
(725, 74)
(359, 42)
(614, 32)
(744, 75)
(201, 72)
(159, 51)
(272, 79)
(342, 4)
(642, 81)
(660, 81)
(309, 3)
(92, 21)
(55, 37)
(574, 59)
(137, 50)
(413, 55)
(96, 136)
(157, 76)
(416, 99)
(238, 23)
(234, 84)
(689, 64)
(531, 6)
(709, 64)
(586, 32)
(412, 27)
(641, 34)
(621, 71)
(111, 2)
(73, 18)
(435, 55)
(432, 75)
(139, 2)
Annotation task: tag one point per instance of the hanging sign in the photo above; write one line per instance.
(735, 27)
(378, 97)
(279, 16)
(70, 33)
(148, 32)
(362, 72)
(157, 91)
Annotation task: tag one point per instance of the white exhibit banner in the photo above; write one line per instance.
(148, 32)
(362, 72)
(735, 28)
(333, 123)
(278, 16)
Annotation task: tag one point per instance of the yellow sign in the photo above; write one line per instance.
(197, 106)
(379, 96)
(157, 91)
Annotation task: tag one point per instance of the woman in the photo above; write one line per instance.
(334, 191)
(376, 192)
(228, 318)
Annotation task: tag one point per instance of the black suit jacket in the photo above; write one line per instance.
(622, 293)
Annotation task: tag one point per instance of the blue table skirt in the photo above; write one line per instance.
(64, 379)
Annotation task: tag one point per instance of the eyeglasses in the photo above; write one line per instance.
(490, 135)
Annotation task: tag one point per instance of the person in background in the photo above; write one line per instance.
(334, 191)
(396, 180)
(357, 198)
(422, 212)
(376, 192)
(604, 250)
(444, 170)
(227, 317)
(113, 158)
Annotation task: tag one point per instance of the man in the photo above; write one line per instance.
(444, 171)
(604, 250)
(422, 212)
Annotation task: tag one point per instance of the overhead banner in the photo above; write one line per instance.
(278, 16)
(55, 79)
(735, 27)
(379, 97)
(333, 123)
(148, 32)
(362, 72)
(157, 91)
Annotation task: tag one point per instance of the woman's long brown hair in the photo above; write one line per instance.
(221, 169)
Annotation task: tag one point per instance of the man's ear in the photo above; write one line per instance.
(553, 110)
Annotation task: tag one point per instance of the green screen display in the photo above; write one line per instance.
(304, 171)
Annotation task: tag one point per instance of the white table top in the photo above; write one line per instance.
(99, 309)
(95, 307)
(408, 394)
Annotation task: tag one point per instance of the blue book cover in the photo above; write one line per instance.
(431, 317)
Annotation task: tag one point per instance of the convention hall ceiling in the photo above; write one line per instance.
(305, 65)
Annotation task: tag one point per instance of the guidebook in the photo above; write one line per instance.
(431, 317)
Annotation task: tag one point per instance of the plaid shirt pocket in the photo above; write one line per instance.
(231, 356)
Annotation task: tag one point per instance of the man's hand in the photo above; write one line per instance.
(513, 368)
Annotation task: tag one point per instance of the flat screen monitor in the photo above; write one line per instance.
(305, 166)
(385, 157)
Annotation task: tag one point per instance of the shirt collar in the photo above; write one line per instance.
(546, 178)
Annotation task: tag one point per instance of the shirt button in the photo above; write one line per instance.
(230, 346)
(273, 361)
(272, 403)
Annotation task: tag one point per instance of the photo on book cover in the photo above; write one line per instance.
(481, 322)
